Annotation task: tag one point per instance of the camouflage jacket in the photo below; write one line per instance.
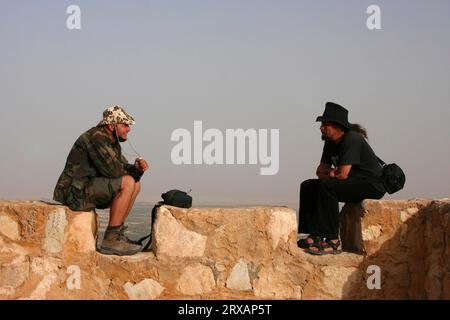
(92, 155)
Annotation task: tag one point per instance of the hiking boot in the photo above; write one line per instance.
(122, 230)
(114, 242)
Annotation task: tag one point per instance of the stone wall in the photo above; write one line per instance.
(48, 252)
(408, 240)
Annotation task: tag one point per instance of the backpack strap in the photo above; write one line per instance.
(185, 202)
(149, 236)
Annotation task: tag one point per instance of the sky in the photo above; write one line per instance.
(230, 64)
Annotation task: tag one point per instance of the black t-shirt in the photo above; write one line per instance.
(354, 150)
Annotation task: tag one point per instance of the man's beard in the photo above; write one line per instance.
(325, 137)
(119, 137)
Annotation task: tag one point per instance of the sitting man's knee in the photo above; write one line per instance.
(309, 183)
(329, 183)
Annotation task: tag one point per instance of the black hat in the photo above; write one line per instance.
(335, 113)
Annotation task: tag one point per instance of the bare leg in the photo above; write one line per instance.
(137, 189)
(121, 202)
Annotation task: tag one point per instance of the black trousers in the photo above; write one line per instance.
(319, 203)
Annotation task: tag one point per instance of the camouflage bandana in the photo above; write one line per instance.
(116, 115)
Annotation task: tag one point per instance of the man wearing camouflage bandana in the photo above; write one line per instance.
(97, 175)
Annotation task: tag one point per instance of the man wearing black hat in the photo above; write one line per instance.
(349, 171)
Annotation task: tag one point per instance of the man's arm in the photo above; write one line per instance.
(323, 171)
(341, 173)
(132, 169)
(104, 157)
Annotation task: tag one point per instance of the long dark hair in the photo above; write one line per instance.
(359, 129)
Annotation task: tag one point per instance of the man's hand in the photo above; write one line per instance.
(141, 165)
(323, 171)
(341, 173)
(332, 173)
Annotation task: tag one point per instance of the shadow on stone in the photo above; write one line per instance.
(407, 240)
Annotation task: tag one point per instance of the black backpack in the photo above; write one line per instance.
(176, 198)
(393, 177)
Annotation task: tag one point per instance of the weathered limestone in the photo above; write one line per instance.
(281, 224)
(80, 232)
(14, 274)
(54, 231)
(196, 280)
(173, 239)
(9, 227)
(219, 233)
(239, 278)
(336, 282)
(147, 289)
(47, 269)
(236, 253)
(408, 240)
(277, 282)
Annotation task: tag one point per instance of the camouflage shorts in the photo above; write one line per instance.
(105, 189)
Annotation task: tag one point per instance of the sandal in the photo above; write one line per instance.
(323, 246)
(305, 244)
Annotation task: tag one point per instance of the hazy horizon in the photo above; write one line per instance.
(230, 64)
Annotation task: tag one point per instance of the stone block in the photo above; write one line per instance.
(239, 278)
(196, 280)
(55, 231)
(9, 227)
(147, 289)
